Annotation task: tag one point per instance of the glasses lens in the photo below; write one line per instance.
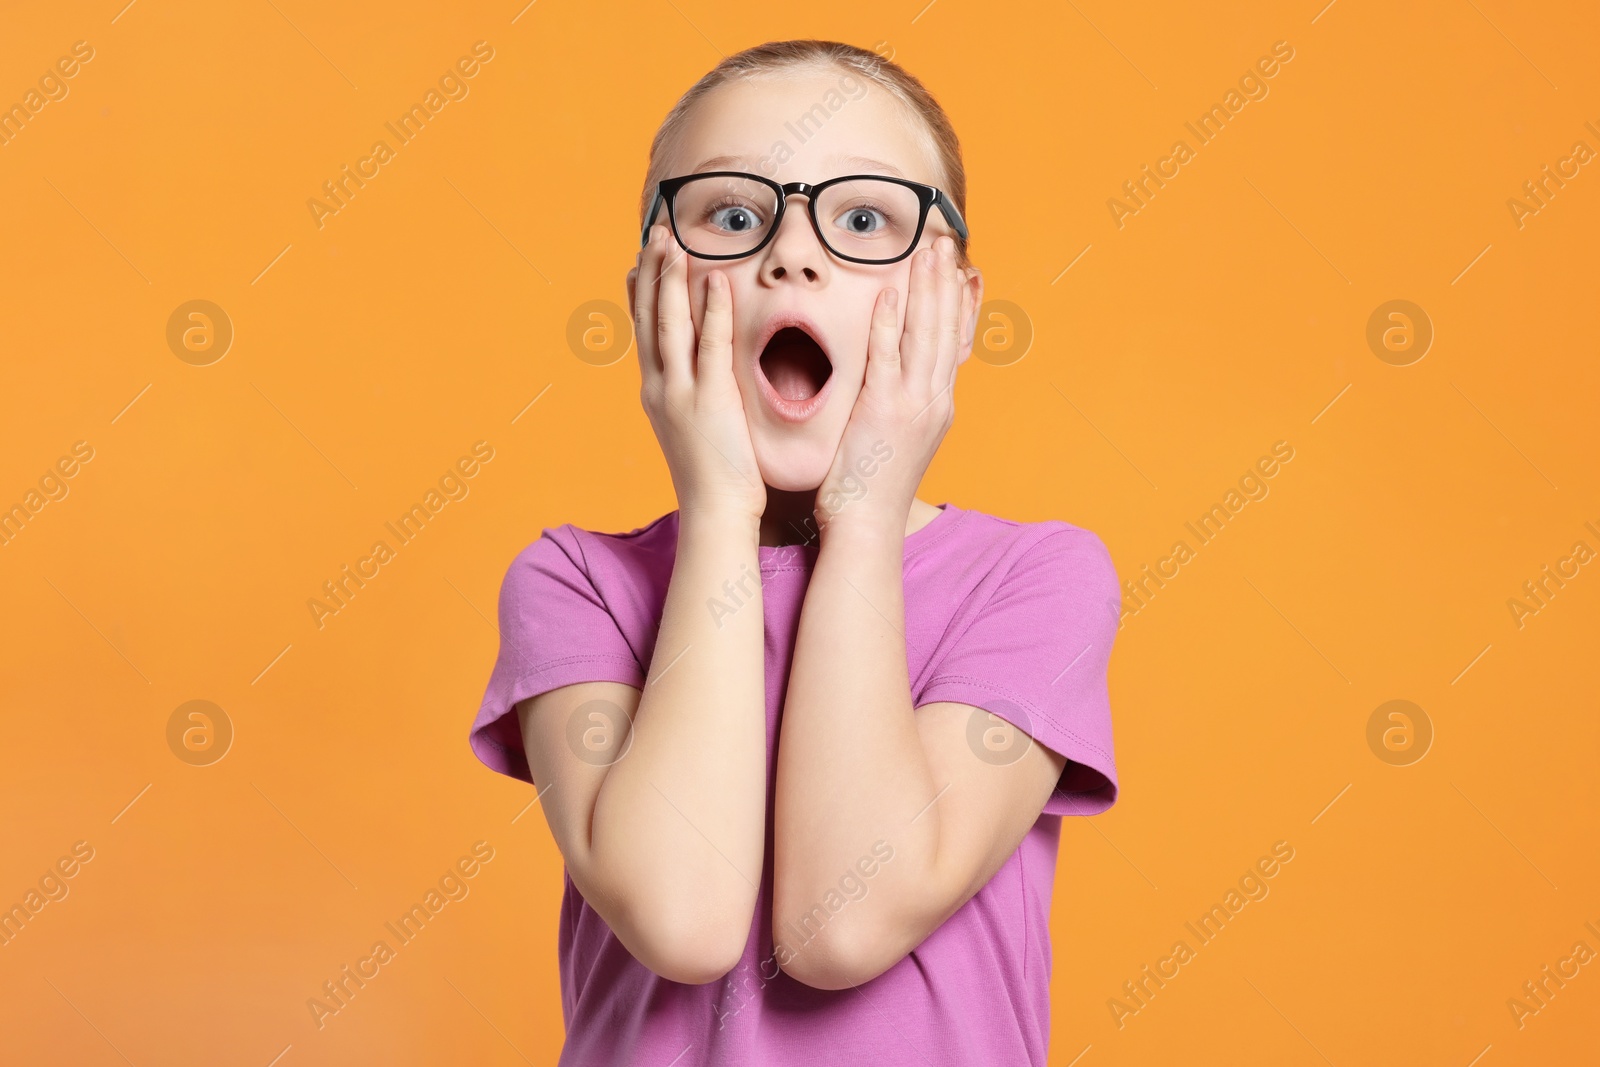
(865, 218)
(723, 216)
(868, 218)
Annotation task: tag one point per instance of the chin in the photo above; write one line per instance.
(795, 465)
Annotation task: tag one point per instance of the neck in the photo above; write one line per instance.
(788, 519)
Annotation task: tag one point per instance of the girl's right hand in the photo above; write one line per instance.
(692, 398)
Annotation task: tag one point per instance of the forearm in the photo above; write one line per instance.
(680, 818)
(851, 768)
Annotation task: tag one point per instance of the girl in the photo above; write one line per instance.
(804, 743)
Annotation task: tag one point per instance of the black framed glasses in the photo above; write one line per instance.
(863, 218)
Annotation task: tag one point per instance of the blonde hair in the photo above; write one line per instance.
(782, 56)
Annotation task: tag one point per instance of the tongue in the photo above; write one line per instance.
(795, 365)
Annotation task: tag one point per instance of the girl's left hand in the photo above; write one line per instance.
(907, 402)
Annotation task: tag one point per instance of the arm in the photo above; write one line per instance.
(856, 765)
(662, 824)
(667, 842)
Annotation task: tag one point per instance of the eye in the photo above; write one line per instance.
(863, 219)
(733, 216)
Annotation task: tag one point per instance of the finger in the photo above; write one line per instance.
(883, 342)
(644, 312)
(716, 332)
(949, 313)
(919, 342)
(649, 370)
(674, 328)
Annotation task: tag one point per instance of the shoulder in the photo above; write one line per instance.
(1016, 549)
(570, 569)
(599, 554)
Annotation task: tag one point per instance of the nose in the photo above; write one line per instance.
(795, 249)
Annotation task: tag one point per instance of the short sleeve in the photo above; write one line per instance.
(1036, 655)
(555, 630)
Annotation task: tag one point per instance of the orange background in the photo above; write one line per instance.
(1228, 314)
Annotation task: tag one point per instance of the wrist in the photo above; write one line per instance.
(719, 521)
(862, 526)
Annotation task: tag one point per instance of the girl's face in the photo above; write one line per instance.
(806, 127)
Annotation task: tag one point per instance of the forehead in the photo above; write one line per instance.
(806, 126)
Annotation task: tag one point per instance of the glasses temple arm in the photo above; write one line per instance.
(951, 215)
(649, 219)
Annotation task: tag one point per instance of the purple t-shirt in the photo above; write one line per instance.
(1014, 618)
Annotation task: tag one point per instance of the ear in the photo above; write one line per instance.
(971, 302)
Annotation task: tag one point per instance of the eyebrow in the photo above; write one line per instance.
(725, 162)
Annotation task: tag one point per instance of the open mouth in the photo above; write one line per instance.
(795, 364)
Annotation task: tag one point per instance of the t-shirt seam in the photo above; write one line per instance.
(548, 665)
(622, 535)
(564, 661)
(960, 516)
(485, 739)
(784, 568)
(1027, 705)
(583, 561)
(1022, 877)
(940, 535)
